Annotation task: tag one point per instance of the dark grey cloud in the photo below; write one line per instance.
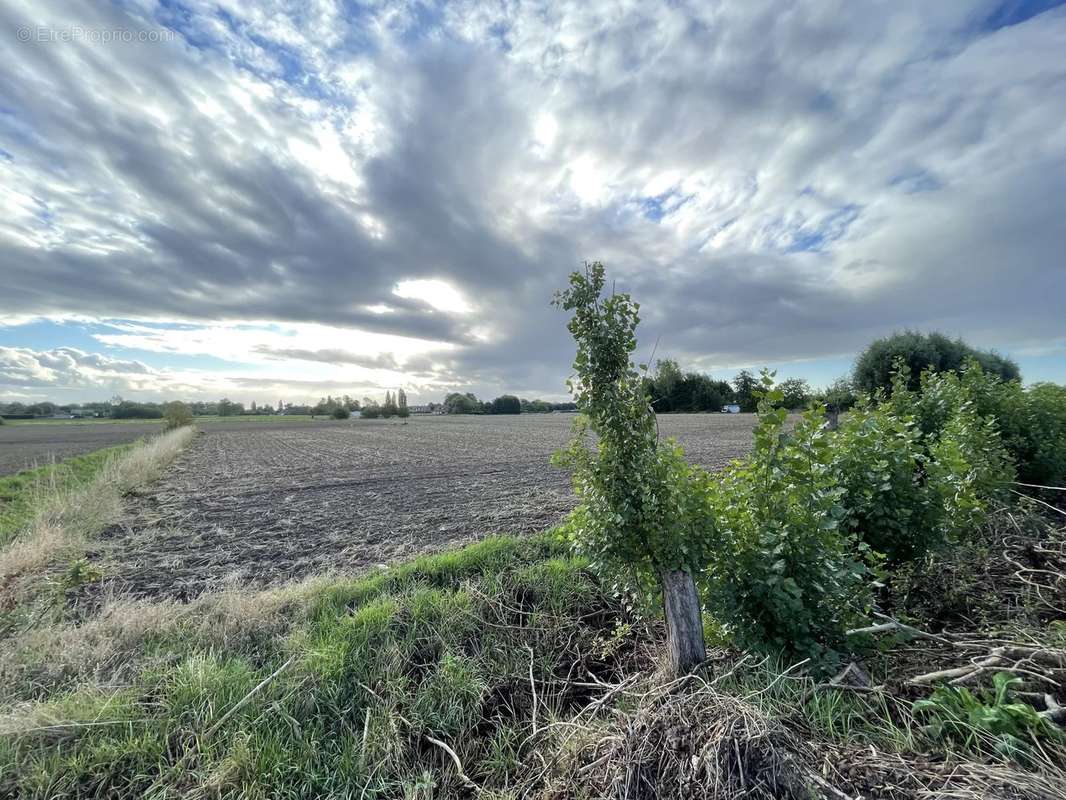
(772, 183)
(379, 361)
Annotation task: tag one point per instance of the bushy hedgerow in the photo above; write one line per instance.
(920, 467)
(176, 414)
(786, 542)
(786, 575)
(1031, 422)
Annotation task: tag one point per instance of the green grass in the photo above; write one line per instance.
(24, 492)
(441, 648)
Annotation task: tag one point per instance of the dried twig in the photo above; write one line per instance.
(455, 760)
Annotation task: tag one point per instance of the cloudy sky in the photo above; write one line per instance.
(283, 200)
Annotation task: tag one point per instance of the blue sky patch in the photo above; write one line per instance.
(1014, 12)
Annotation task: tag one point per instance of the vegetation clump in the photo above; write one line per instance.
(436, 678)
(176, 415)
(787, 574)
(876, 365)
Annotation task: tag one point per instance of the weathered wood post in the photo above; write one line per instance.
(684, 622)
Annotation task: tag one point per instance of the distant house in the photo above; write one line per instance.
(731, 408)
(432, 408)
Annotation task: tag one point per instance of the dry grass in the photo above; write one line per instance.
(111, 647)
(43, 567)
(65, 520)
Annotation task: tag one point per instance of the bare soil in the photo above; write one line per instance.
(39, 443)
(34, 444)
(264, 504)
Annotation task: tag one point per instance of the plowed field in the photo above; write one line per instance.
(261, 505)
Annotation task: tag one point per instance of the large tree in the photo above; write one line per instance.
(921, 351)
(506, 404)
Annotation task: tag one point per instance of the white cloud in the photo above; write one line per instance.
(438, 294)
(774, 183)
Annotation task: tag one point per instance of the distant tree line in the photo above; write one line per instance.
(669, 388)
(672, 390)
(467, 403)
(393, 406)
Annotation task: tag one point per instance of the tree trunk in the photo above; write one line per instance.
(684, 622)
(832, 418)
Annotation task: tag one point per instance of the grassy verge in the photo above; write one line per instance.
(44, 560)
(25, 491)
(421, 681)
(501, 670)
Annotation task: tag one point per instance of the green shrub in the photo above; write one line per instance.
(1031, 422)
(1045, 410)
(876, 365)
(340, 412)
(786, 575)
(877, 456)
(988, 722)
(176, 415)
(919, 468)
(370, 411)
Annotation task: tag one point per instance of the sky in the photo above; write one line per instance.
(283, 200)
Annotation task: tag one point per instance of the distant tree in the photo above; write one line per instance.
(457, 403)
(253, 407)
(506, 404)
(839, 395)
(389, 407)
(176, 415)
(744, 385)
(130, 410)
(670, 389)
(401, 404)
(535, 407)
(370, 409)
(228, 408)
(664, 385)
(340, 412)
(796, 391)
(920, 351)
